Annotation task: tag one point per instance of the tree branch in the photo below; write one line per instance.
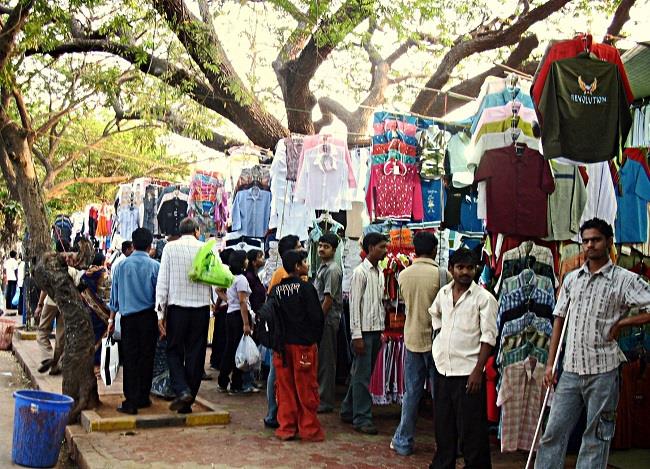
(56, 190)
(480, 41)
(472, 86)
(12, 27)
(22, 110)
(621, 16)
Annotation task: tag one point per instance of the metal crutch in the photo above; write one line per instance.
(556, 360)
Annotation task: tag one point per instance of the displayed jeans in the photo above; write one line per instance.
(358, 401)
(418, 369)
(272, 414)
(599, 394)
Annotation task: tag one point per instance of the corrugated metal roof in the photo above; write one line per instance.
(637, 66)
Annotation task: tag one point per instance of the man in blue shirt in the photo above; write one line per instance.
(133, 295)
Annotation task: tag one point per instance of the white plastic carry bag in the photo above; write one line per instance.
(247, 356)
(110, 360)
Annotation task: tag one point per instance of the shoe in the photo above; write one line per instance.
(398, 451)
(235, 392)
(368, 429)
(324, 410)
(185, 410)
(45, 365)
(206, 377)
(268, 424)
(55, 370)
(127, 410)
(184, 399)
(346, 419)
(222, 389)
(145, 405)
(250, 390)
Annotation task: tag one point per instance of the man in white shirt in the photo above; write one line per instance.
(183, 309)
(367, 317)
(11, 274)
(466, 316)
(127, 249)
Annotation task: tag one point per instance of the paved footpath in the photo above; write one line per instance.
(245, 442)
(12, 379)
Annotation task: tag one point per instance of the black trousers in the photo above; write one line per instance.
(9, 293)
(455, 408)
(187, 339)
(139, 337)
(218, 338)
(234, 331)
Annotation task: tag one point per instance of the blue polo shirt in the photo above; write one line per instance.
(134, 284)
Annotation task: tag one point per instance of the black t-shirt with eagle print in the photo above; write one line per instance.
(584, 109)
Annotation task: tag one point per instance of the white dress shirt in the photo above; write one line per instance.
(463, 328)
(174, 286)
(367, 313)
(11, 265)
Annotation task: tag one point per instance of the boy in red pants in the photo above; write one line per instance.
(297, 367)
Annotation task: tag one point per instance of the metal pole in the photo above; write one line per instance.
(556, 361)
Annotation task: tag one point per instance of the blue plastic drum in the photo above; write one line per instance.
(40, 419)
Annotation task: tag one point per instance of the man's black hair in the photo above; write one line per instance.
(463, 256)
(331, 239)
(126, 245)
(236, 262)
(142, 239)
(188, 226)
(425, 243)
(372, 239)
(225, 255)
(291, 258)
(252, 256)
(600, 225)
(99, 259)
(13, 254)
(287, 243)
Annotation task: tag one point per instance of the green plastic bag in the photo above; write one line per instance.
(207, 268)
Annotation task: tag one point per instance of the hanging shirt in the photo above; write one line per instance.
(251, 211)
(567, 203)
(601, 197)
(585, 111)
(433, 200)
(570, 48)
(499, 113)
(493, 140)
(392, 195)
(457, 152)
(517, 191)
(501, 98)
(128, 218)
(171, 211)
(520, 397)
(325, 174)
(632, 214)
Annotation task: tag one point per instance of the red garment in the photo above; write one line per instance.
(571, 48)
(638, 155)
(633, 411)
(296, 389)
(491, 389)
(394, 195)
(517, 191)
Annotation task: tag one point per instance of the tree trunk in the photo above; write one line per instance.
(50, 270)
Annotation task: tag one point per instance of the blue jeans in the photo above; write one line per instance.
(272, 415)
(418, 367)
(599, 393)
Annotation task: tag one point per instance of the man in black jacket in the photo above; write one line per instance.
(297, 367)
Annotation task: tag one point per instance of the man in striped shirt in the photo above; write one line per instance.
(596, 298)
(183, 309)
(367, 318)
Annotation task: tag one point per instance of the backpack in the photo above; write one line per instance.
(270, 326)
(207, 268)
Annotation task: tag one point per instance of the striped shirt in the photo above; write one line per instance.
(174, 286)
(595, 302)
(367, 311)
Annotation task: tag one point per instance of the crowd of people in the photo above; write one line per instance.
(449, 334)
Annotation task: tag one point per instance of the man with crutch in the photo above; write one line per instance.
(594, 301)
